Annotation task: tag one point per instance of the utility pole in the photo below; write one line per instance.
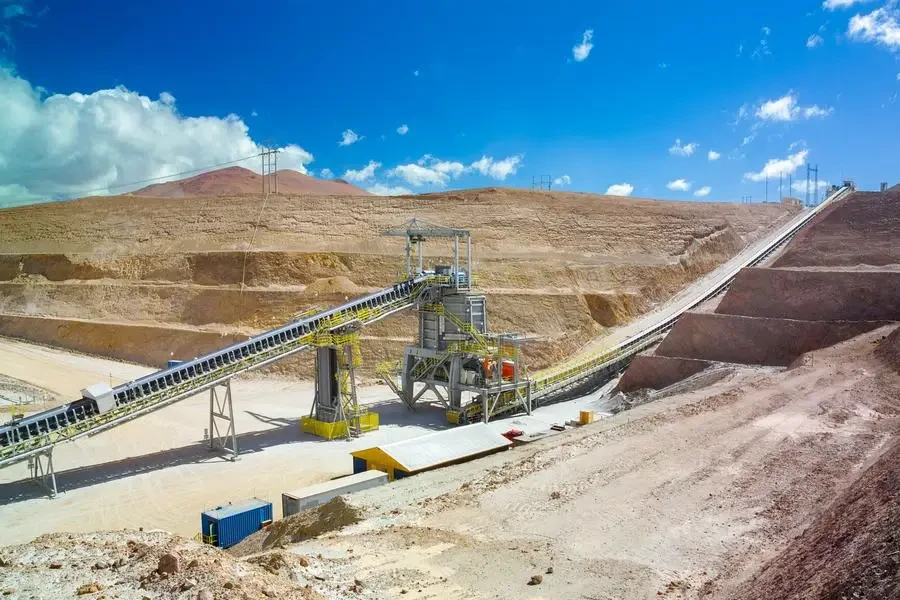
(767, 188)
(269, 158)
(816, 193)
(780, 182)
(815, 189)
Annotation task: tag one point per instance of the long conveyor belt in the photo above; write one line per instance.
(37, 433)
(598, 368)
(40, 432)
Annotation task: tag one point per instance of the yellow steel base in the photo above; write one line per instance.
(330, 431)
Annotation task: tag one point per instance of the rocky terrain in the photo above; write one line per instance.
(108, 276)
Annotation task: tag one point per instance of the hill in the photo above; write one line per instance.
(233, 181)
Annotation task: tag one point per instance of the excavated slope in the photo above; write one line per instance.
(559, 267)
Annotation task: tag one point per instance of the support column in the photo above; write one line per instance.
(221, 410)
(468, 262)
(456, 262)
(41, 467)
(408, 258)
(421, 244)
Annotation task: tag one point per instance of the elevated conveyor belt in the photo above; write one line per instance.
(38, 433)
(598, 368)
(574, 372)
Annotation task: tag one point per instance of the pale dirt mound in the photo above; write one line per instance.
(119, 564)
(232, 181)
(333, 285)
(814, 295)
(852, 550)
(611, 309)
(304, 525)
(755, 340)
(889, 350)
(863, 229)
(648, 371)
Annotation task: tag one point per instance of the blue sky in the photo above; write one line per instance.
(97, 96)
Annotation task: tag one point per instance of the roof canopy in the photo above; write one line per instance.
(438, 448)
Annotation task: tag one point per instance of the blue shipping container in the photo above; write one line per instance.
(174, 363)
(225, 526)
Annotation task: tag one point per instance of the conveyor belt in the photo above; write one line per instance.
(575, 372)
(149, 393)
(595, 370)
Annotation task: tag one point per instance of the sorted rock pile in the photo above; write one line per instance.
(138, 565)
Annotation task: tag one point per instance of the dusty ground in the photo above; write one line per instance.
(113, 480)
(682, 497)
(561, 267)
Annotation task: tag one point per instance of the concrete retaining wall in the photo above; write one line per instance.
(755, 340)
(814, 295)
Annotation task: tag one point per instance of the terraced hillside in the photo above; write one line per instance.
(146, 279)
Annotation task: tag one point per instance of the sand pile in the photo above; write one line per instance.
(849, 551)
(302, 526)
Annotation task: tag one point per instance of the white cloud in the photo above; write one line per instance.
(379, 189)
(703, 192)
(679, 185)
(838, 4)
(62, 146)
(800, 185)
(747, 139)
(564, 180)
(416, 73)
(367, 172)
(583, 50)
(880, 26)
(814, 40)
(417, 175)
(430, 170)
(253, 113)
(663, 65)
(786, 109)
(779, 166)
(326, 173)
(350, 137)
(497, 169)
(686, 150)
(814, 111)
(898, 76)
(403, 129)
(713, 155)
(620, 189)
(762, 49)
